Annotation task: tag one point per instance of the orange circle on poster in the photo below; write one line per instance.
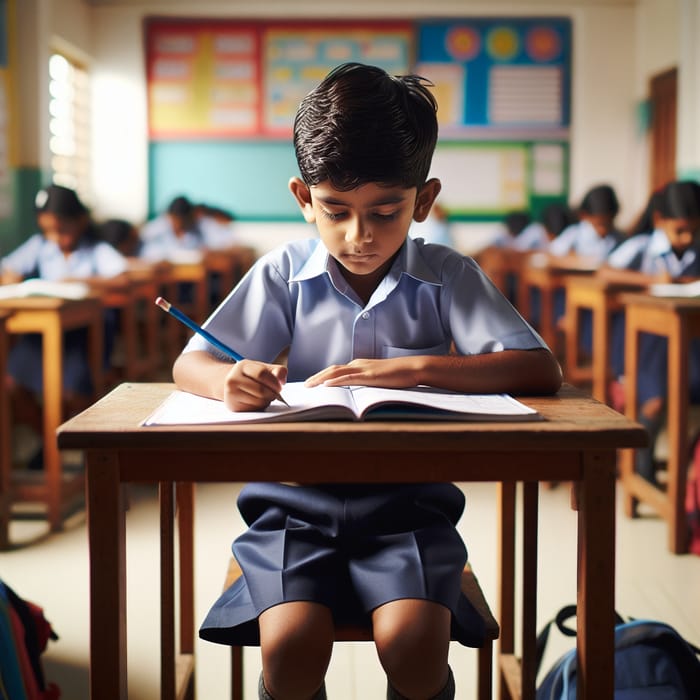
(463, 43)
(503, 43)
(543, 44)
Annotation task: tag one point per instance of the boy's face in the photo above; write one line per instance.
(365, 227)
(681, 233)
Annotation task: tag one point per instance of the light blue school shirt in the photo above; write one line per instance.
(296, 297)
(39, 257)
(159, 239)
(651, 253)
(582, 239)
(532, 237)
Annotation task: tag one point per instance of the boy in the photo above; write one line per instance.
(365, 304)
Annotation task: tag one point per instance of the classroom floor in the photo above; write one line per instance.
(52, 571)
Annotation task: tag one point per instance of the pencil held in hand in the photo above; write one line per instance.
(173, 311)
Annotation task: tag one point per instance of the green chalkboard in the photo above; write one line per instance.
(248, 178)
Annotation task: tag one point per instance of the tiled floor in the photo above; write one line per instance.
(53, 572)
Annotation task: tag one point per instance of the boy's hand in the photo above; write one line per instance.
(395, 373)
(252, 386)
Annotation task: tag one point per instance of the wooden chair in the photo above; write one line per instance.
(470, 588)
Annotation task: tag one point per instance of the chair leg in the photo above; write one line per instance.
(236, 673)
(485, 671)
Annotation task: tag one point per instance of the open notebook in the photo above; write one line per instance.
(678, 289)
(44, 288)
(346, 403)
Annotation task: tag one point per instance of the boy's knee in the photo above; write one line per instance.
(296, 643)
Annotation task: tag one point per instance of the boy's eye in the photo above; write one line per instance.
(332, 216)
(390, 216)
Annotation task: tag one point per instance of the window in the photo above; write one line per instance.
(69, 124)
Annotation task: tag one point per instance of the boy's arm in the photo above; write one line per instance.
(509, 371)
(243, 386)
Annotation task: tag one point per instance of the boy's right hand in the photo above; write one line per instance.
(252, 385)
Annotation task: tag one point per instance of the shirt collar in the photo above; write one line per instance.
(408, 261)
(659, 243)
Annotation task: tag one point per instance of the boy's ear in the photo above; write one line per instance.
(425, 198)
(302, 194)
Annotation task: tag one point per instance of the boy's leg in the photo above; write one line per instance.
(412, 639)
(296, 641)
(264, 695)
(651, 417)
(447, 693)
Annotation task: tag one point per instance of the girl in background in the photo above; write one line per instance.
(66, 248)
(670, 253)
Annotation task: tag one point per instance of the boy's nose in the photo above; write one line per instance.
(357, 230)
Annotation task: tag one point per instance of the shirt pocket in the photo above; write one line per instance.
(391, 351)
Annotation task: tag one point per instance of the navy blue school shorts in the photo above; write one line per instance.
(351, 548)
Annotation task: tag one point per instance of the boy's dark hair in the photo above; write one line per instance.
(680, 200)
(181, 206)
(600, 200)
(516, 222)
(362, 125)
(556, 217)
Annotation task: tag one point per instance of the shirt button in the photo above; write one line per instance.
(365, 315)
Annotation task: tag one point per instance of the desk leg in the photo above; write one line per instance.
(529, 598)
(506, 586)
(595, 498)
(677, 421)
(106, 533)
(52, 340)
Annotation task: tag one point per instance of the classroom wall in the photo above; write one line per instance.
(618, 45)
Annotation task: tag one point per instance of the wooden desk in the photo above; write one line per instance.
(679, 321)
(225, 268)
(549, 275)
(51, 317)
(5, 439)
(503, 267)
(576, 442)
(138, 324)
(197, 308)
(602, 298)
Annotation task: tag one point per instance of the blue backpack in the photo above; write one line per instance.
(652, 662)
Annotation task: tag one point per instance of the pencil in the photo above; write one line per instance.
(173, 311)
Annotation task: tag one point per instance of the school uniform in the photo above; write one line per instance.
(39, 257)
(652, 254)
(160, 242)
(532, 237)
(354, 547)
(583, 240)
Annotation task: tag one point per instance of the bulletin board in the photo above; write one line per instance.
(222, 95)
(225, 79)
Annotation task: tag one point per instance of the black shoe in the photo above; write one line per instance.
(36, 461)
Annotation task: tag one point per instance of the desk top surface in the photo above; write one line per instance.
(572, 420)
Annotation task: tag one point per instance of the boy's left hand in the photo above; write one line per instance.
(395, 373)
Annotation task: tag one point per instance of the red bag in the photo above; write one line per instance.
(692, 501)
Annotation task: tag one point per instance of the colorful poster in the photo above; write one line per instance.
(203, 79)
(296, 59)
(500, 73)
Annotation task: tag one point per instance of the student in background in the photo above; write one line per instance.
(123, 236)
(67, 248)
(435, 228)
(183, 228)
(362, 304)
(670, 253)
(537, 235)
(513, 224)
(594, 236)
(647, 221)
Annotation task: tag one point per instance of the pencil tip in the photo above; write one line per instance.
(163, 304)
